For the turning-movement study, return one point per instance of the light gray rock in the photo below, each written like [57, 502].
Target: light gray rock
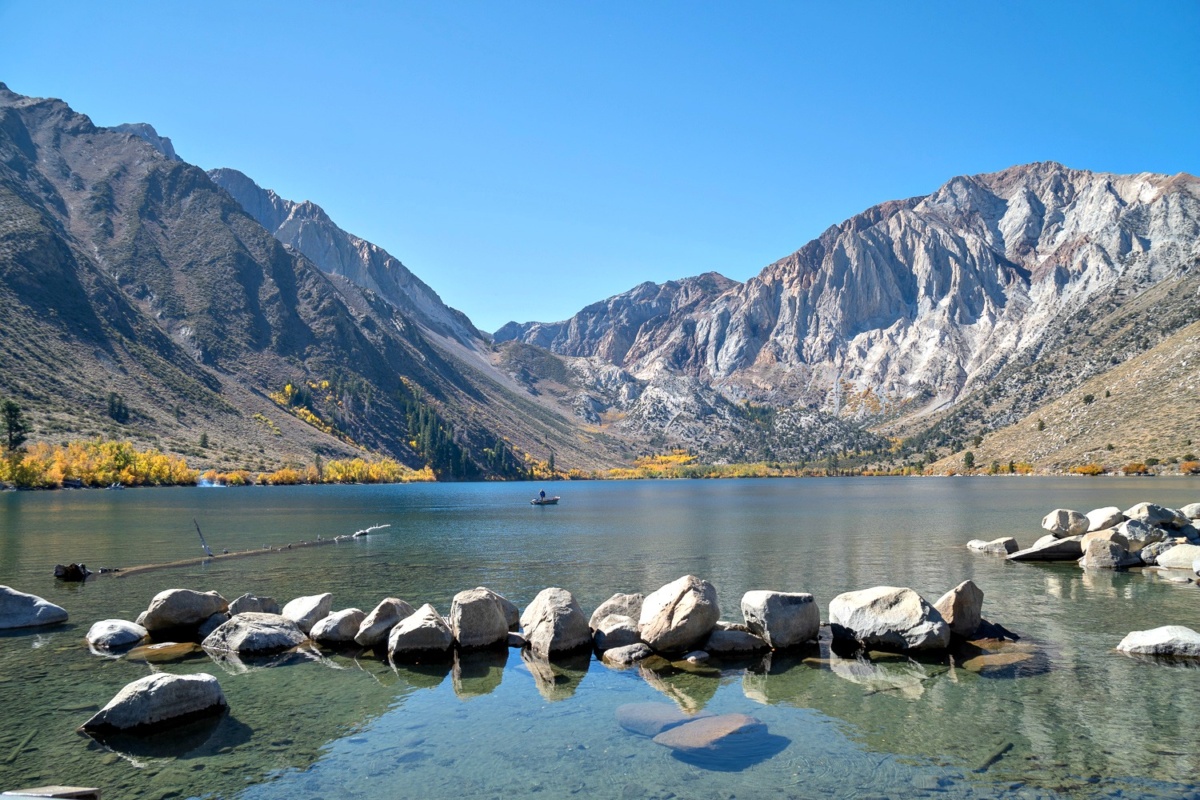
[1107, 535]
[996, 547]
[962, 608]
[888, 618]
[680, 615]
[1169, 640]
[1149, 554]
[309, 610]
[423, 633]
[211, 624]
[1102, 518]
[157, 700]
[1050, 548]
[735, 642]
[21, 610]
[1191, 511]
[782, 619]
[554, 623]
[255, 633]
[1156, 515]
[477, 619]
[1138, 534]
[614, 631]
[1181, 556]
[630, 654]
[512, 614]
[112, 633]
[1063, 522]
[625, 605]
[181, 608]
[378, 624]
[339, 628]
[251, 602]
[1104, 554]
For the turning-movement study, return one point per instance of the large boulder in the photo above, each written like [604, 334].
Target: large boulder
[378, 624]
[1106, 535]
[422, 634]
[1138, 534]
[625, 605]
[157, 700]
[255, 633]
[477, 619]
[997, 547]
[1156, 515]
[1051, 548]
[1150, 553]
[174, 609]
[1170, 640]
[1101, 518]
[211, 624]
[20, 610]
[512, 614]
[1106, 554]
[108, 634]
[1063, 522]
[888, 618]
[782, 619]
[339, 628]
[710, 734]
[615, 631]
[554, 623]
[1181, 556]
[962, 608]
[680, 615]
[1191, 511]
[252, 602]
[309, 610]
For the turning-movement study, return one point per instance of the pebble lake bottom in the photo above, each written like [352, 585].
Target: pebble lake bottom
[1073, 718]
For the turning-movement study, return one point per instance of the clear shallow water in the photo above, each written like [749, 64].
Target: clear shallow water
[1078, 720]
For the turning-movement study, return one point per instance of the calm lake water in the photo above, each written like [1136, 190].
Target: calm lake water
[1077, 719]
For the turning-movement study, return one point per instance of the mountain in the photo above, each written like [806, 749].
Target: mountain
[307, 228]
[914, 301]
[138, 300]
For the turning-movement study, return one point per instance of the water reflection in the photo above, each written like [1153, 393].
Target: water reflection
[478, 672]
[558, 678]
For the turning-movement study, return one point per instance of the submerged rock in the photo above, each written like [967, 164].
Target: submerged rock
[1174, 641]
[709, 733]
[680, 615]
[651, 719]
[159, 699]
[888, 617]
[378, 624]
[554, 623]
[20, 610]
[782, 619]
[999, 547]
[164, 652]
[253, 633]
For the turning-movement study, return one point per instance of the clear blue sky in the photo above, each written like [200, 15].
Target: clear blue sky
[526, 159]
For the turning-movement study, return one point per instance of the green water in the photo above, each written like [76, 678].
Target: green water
[1076, 720]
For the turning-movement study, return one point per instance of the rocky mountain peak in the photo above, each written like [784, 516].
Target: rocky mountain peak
[146, 132]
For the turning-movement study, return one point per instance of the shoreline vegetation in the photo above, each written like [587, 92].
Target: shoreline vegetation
[105, 464]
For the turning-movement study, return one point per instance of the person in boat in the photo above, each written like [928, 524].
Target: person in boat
[542, 495]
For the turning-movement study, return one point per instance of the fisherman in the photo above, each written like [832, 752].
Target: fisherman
[542, 495]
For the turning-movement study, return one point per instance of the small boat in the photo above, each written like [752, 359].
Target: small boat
[116, 486]
[544, 501]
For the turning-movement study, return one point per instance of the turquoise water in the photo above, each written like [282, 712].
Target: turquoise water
[1075, 719]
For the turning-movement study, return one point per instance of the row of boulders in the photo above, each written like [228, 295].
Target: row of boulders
[1146, 534]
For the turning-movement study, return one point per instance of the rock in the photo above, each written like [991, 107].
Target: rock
[211, 624]
[20, 610]
[516, 640]
[378, 624]
[1169, 640]
[782, 619]
[615, 631]
[1156, 515]
[1107, 535]
[888, 618]
[1051, 548]
[181, 608]
[1063, 522]
[651, 719]
[554, 623]
[159, 699]
[339, 628]
[701, 656]
[512, 614]
[72, 573]
[113, 633]
[255, 633]
[251, 602]
[164, 652]
[308, 611]
[998, 547]
[1138, 534]
[1149, 554]
[734, 642]
[709, 733]
[625, 605]
[477, 619]
[962, 608]
[1191, 511]
[1101, 518]
[1104, 554]
[680, 615]
[630, 654]
[422, 634]
[1181, 556]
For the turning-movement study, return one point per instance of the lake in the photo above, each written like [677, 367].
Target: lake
[1076, 720]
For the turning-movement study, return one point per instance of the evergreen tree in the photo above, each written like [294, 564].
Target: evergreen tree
[15, 426]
